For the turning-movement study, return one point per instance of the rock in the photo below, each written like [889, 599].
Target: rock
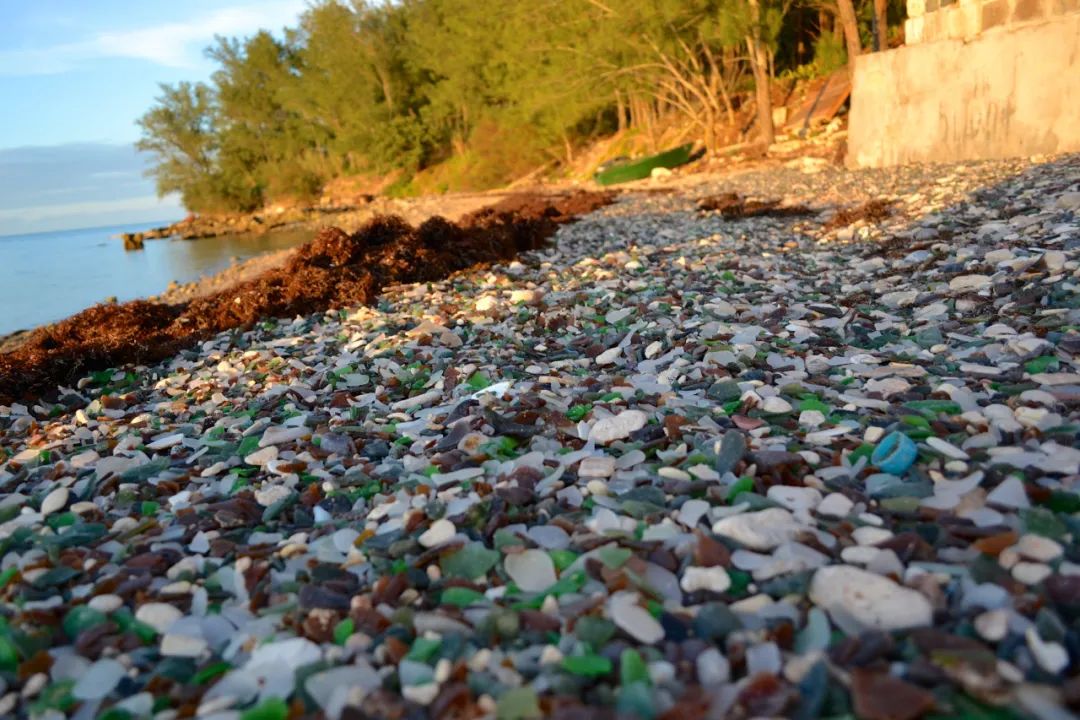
[835, 505]
[531, 570]
[267, 495]
[1050, 656]
[633, 619]
[262, 457]
[596, 467]
[182, 646]
[799, 500]
[969, 283]
[992, 625]
[1010, 494]
[1039, 548]
[713, 579]
[713, 669]
[880, 696]
[776, 405]
[609, 356]
[617, 427]
[55, 500]
[333, 689]
[159, 616]
[762, 530]
[99, 680]
[870, 600]
[440, 532]
[280, 434]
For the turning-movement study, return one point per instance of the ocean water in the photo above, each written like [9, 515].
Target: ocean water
[48, 276]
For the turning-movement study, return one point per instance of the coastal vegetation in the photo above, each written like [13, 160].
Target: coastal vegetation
[470, 95]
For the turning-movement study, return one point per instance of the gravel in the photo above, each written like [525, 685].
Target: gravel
[634, 472]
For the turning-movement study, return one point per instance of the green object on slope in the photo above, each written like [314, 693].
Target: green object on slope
[638, 169]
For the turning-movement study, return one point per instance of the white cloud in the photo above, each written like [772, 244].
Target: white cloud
[178, 44]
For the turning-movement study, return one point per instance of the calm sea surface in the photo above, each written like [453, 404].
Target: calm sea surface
[47, 276]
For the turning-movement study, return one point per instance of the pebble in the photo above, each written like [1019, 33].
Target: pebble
[519, 469]
[159, 616]
[835, 505]
[182, 646]
[440, 532]
[531, 570]
[762, 530]
[55, 500]
[99, 680]
[635, 620]
[617, 427]
[870, 600]
[596, 467]
[714, 579]
[992, 625]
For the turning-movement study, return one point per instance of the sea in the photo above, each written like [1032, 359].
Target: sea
[47, 276]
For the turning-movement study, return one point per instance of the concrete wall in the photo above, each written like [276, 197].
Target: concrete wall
[931, 20]
[1012, 91]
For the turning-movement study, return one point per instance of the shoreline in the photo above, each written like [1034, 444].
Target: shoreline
[809, 156]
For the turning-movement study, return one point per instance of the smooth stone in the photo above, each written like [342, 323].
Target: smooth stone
[691, 512]
[968, 283]
[796, 499]
[440, 531]
[183, 646]
[267, 495]
[332, 689]
[596, 467]
[1009, 493]
[531, 570]
[1050, 656]
[947, 449]
[776, 405]
[166, 442]
[714, 579]
[763, 658]
[609, 356]
[282, 434]
[106, 603]
[633, 619]
[99, 680]
[713, 668]
[1039, 548]
[617, 427]
[56, 500]
[263, 456]
[835, 505]
[762, 530]
[732, 450]
[159, 616]
[992, 625]
[870, 600]
[550, 537]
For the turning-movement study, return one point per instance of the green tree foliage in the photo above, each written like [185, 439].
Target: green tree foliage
[490, 91]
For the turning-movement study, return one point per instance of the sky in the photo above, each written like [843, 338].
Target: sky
[74, 78]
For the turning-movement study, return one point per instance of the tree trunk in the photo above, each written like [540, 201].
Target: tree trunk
[759, 64]
[881, 19]
[851, 31]
[620, 111]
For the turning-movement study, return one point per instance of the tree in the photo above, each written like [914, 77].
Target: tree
[881, 24]
[850, 24]
[759, 65]
[179, 131]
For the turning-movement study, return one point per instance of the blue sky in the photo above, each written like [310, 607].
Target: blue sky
[74, 77]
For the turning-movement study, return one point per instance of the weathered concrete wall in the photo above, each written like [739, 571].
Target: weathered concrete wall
[931, 20]
[1012, 91]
